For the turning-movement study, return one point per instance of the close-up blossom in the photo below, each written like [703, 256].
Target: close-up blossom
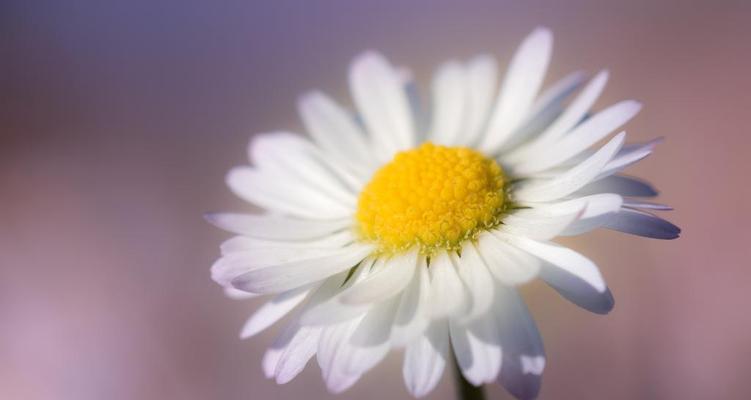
[401, 224]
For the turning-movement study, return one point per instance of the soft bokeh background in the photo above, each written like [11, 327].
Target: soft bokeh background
[119, 120]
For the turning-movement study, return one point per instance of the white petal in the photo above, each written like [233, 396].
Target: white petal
[233, 265]
[297, 354]
[333, 351]
[275, 192]
[448, 296]
[332, 338]
[371, 338]
[349, 349]
[547, 108]
[240, 244]
[333, 310]
[381, 100]
[412, 316]
[564, 258]
[576, 290]
[478, 349]
[276, 227]
[619, 184]
[481, 80]
[507, 263]
[296, 160]
[523, 353]
[629, 155]
[425, 359]
[388, 281]
[293, 274]
[540, 223]
[375, 328]
[642, 223]
[565, 122]
[449, 104]
[274, 352]
[273, 311]
[476, 277]
[598, 209]
[554, 96]
[291, 352]
[573, 179]
[520, 86]
[334, 129]
[582, 137]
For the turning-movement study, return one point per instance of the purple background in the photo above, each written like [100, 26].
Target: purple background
[120, 119]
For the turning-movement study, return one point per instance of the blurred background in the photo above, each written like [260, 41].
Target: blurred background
[119, 120]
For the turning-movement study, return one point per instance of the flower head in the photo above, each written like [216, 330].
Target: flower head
[381, 234]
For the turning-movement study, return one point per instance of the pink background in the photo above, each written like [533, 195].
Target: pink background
[120, 119]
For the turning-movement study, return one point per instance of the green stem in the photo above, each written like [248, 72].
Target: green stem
[464, 389]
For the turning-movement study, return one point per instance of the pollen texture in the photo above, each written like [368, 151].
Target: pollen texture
[431, 196]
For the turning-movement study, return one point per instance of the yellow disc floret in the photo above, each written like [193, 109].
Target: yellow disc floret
[432, 196]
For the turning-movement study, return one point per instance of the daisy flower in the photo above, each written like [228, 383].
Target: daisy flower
[385, 231]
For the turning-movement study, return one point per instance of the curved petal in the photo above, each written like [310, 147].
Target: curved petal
[425, 359]
[578, 291]
[629, 155]
[273, 311]
[476, 277]
[334, 129]
[547, 108]
[375, 328]
[581, 138]
[292, 350]
[333, 349]
[413, 316]
[388, 281]
[573, 115]
[333, 310]
[297, 273]
[540, 223]
[272, 191]
[477, 347]
[520, 86]
[565, 259]
[482, 77]
[554, 96]
[641, 223]
[523, 353]
[449, 104]
[619, 184]
[599, 211]
[573, 179]
[381, 100]
[371, 338]
[595, 211]
[239, 244]
[294, 158]
[507, 263]
[233, 265]
[276, 227]
[448, 296]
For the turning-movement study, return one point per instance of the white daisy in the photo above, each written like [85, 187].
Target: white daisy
[379, 234]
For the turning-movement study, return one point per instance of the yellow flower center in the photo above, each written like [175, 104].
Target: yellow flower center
[432, 196]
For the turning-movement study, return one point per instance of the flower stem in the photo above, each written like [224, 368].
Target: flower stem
[464, 389]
